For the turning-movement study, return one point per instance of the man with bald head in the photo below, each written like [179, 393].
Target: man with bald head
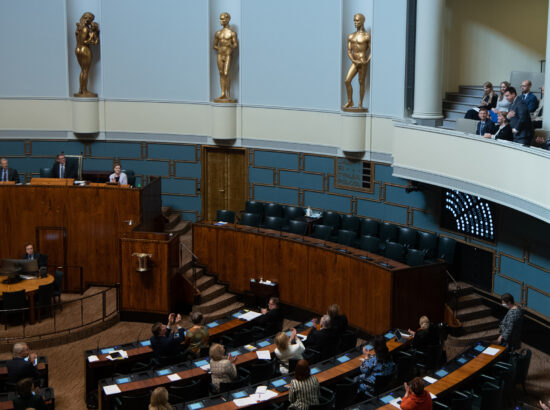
[7, 173]
[528, 97]
[23, 363]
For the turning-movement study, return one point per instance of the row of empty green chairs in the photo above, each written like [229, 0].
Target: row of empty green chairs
[395, 242]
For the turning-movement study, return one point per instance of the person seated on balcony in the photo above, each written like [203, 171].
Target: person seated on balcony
[28, 396]
[304, 388]
[272, 317]
[416, 398]
[488, 101]
[426, 335]
[528, 97]
[485, 125]
[324, 340]
[373, 366]
[197, 336]
[118, 177]
[511, 324]
[504, 131]
[23, 363]
[502, 103]
[536, 116]
[159, 399]
[165, 342]
[287, 350]
[520, 119]
[222, 367]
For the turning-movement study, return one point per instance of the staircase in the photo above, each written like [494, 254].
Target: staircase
[455, 105]
[214, 301]
[476, 318]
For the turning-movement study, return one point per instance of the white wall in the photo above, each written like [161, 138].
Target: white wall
[487, 40]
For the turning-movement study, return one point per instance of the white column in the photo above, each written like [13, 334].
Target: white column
[428, 61]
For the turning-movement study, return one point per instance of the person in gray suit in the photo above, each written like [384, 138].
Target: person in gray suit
[6, 173]
[519, 117]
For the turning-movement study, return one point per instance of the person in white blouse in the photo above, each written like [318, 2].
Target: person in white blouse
[502, 103]
[287, 350]
[118, 176]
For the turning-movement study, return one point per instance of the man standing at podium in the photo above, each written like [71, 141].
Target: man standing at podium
[7, 174]
[63, 169]
[30, 255]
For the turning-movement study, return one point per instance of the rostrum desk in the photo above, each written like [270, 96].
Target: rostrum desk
[376, 294]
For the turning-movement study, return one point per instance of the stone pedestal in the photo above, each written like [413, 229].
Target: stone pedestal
[85, 115]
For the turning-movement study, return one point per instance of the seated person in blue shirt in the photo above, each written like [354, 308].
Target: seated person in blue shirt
[485, 125]
[166, 342]
[377, 365]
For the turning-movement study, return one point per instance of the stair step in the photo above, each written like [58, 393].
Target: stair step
[471, 90]
[469, 300]
[489, 335]
[448, 124]
[165, 210]
[223, 312]
[473, 312]
[215, 304]
[480, 324]
[189, 274]
[171, 221]
[205, 281]
[462, 98]
[458, 106]
[453, 114]
[212, 293]
[181, 227]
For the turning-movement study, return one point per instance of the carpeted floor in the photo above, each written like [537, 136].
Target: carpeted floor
[67, 365]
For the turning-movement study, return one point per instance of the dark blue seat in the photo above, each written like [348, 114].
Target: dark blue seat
[350, 223]
[225, 215]
[406, 237]
[414, 257]
[254, 207]
[369, 227]
[446, 249]
[395, 251]
[321, 232]
[332, 219]
[273, 209]
[427, 242]
[46, 172]
[250, 219]
[346, 237]
[369, 243]
[297, 227]
[273, 222]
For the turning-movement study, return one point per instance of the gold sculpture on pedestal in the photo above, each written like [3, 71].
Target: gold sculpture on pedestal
[359, 54]
[87, 34]
[225, 40]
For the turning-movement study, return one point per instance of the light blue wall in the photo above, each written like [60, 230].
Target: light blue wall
[290, 53]
[155, 50]
[33, 49]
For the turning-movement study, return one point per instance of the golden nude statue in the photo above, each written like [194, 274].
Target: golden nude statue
[225, 40]
[359, 54]
[87, 34]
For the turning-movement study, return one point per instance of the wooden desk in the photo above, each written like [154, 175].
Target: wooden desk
[89, 222]
[30, 286]
[313, 274]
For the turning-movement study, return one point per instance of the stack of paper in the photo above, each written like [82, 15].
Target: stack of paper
[111, 389]
[93, 358]
[249, 315]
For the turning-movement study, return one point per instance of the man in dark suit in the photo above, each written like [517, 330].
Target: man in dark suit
[6, 173]
[18, 367]
[30, 254]
[63, 169]
[272, 317]
[323, 340]
[165, 342]
[519, 117]
[485, 125]
[528, 97]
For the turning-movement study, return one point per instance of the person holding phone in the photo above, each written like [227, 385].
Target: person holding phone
[23, 364]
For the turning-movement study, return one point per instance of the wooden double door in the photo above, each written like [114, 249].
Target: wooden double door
[224, 180]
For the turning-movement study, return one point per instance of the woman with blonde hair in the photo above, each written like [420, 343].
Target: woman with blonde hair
[426, 335]
[159, 399]
[222, 368]
[489, 101]
[287, 350]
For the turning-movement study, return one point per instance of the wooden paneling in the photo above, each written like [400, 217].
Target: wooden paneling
[374, 297]
[93, 219]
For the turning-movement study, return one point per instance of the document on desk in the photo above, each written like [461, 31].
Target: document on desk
[249, 315]
[111, 389]
[93, 358]
[491, 351]
[303, 338]
[245, 401]
[174, 377]
[263, 354]
[430, 379]
[264, 396]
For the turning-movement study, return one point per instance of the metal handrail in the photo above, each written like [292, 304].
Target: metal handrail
[104, 314]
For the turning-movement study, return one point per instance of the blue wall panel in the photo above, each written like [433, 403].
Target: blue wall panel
[8, 148]
[384, 173]
[300, 179]
[424, 221]
[379, 210]
[399, 196]
[116, 150]
[503, 285]
[271, 194]
[170, 151]
[158, 168]
[327, 201]
[374, 195]
[93, 164]
[275, 160]
[178, 186]
[51, 149]
[261, 176]
[181, 202]
[539, 302]
[314, 163]
[190, 170]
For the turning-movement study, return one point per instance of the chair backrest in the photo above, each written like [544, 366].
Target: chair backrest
[446, 249]
[348, 340]
[131, 175]
[350, 223]
[261, 370]
[297, 227]
[273, 209]
[381, 383]
[427, 242]
[292, 365]
[58, 281]
[190, 391]
[250, 219]
[274, 222]
[369, 243]
[135, 402]
[243, 379]
[369, 227]
[407, 237]
[492, 396]
[76, 160]
[321, 232]
[326, 400]
[225, 215]
[523, 365]
[414, 257]
[404, 366]
[46, 172]
[461, 401]
[45, 294]
[293, 212]
[346, 237]
[14, 300]
[254, 207]
[387, 231]
[345, 394]
[331, 219]
[395, 251]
